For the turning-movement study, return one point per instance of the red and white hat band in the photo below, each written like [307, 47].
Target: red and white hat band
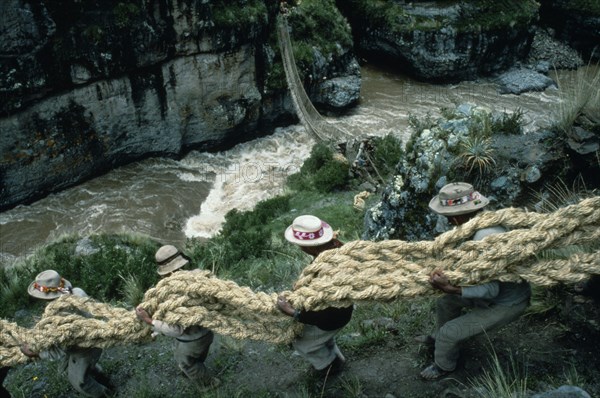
[303, 235]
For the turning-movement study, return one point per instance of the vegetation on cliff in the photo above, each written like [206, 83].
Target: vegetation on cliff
[317, 29]
[479, 15]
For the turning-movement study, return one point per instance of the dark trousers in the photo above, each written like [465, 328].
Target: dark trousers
[3, 391]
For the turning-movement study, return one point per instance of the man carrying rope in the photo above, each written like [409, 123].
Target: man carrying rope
[492, 305]
[317, 341]
[194, 341]
[80, 363]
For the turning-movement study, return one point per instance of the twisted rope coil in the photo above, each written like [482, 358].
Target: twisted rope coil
[359, 271]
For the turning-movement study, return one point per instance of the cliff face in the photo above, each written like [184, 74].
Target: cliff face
[443, 41]
[577, 22]
[87, 86]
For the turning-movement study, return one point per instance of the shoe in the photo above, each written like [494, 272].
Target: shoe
[334, 368]
[433, 372]
[102, 378]
[425, 339]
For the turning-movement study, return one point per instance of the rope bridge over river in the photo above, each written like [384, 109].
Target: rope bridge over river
[310, 118]
[358, 272]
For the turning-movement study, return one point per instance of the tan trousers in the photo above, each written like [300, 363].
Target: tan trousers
[454, 327]
[317, 346]
[190, 356]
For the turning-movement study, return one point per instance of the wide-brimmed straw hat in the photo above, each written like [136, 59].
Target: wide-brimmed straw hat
[457, 198]
[169, 259]
[309, 231]
[49, 285]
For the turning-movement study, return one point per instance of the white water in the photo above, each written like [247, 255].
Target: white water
[247, 174]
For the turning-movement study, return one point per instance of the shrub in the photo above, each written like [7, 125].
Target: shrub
[245, 235]
[387, 153]
[102, 273]
[321, 172]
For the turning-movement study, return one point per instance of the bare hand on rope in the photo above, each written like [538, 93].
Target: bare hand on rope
[440, 281]
[143, 315]
[28, 352]
[284, 306]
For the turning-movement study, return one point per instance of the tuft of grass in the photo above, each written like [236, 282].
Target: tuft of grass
[544, 300]
[352, 387]
[554, 196]
[572, 377]
[501, 382]
[579, 98]
[132, 290]
[509, 124]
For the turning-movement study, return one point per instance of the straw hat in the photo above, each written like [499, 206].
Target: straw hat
[49, 285]
[309, 231]
[457, 198]
[169, 259]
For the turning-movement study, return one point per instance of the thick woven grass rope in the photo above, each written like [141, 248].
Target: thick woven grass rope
[359, 271]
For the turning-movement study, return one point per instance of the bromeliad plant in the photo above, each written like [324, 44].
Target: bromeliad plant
[476, 152]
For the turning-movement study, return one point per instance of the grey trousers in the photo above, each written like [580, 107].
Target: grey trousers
[317, 346]
[454, 327]
[81, 363]
[190, 356]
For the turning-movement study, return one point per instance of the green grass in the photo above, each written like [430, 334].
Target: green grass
[499, 380]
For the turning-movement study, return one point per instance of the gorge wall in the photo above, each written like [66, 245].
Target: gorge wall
[88, 86]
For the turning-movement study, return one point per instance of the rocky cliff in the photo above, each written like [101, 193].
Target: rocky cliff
[443, 40]
[87, 86]
[577, 22]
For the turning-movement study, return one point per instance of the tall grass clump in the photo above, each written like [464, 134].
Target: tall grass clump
[498, 381]
[579, 99]
[475, 155]
[552, 198]
[509, 124]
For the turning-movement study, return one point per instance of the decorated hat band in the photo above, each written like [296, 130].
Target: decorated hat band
[460, 201]
[303, 235]
[50, 289]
